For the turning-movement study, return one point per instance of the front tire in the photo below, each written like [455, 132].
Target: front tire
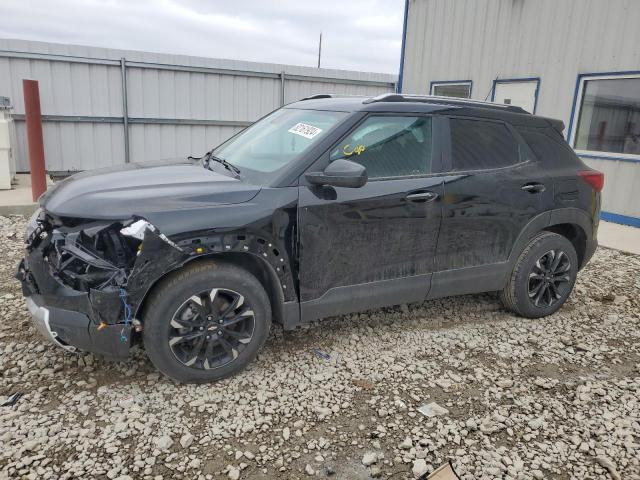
[543, 276]
[206, 322]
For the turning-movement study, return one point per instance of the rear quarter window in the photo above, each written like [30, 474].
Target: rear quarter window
[479, 144]
[547, 147]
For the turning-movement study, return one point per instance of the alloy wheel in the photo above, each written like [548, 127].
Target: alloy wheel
[211, 329]
[550, 278]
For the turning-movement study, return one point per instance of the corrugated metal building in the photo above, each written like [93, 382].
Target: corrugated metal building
[104, 107]
[575, 60]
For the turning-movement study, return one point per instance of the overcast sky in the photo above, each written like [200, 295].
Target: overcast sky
[357, 34]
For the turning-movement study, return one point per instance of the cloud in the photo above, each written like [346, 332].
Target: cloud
[357, 34]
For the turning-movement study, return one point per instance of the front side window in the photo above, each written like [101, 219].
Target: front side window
[271, 143]
[389, 146]
[609, 119]
[456, 90]
[478, 144]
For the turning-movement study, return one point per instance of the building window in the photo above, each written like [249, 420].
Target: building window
[457, 89]
[608, 115]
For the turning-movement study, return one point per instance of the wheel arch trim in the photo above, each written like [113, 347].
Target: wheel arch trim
[254, 253]
[571, 216]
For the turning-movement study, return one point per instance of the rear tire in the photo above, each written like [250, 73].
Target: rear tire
[206, 322]
[543, 276]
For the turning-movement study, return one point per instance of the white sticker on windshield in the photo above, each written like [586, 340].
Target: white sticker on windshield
[305, 130]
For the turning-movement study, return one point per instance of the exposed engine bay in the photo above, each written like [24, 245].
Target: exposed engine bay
[109, 261]
[97, 256]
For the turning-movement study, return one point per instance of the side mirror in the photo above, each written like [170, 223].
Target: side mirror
[340, 173]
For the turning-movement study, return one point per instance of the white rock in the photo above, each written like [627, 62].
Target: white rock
[369, 458]
[163, 443]
[406, 444]
[536, 423]
[433, 410]
[186, 440]
[419, 467]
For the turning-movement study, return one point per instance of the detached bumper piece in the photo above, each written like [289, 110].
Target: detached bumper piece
[73, 331]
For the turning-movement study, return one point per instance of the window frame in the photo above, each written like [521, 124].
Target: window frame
[537, 80]
[438, 139]
[525, 154]
[436, 83]
[577, 107]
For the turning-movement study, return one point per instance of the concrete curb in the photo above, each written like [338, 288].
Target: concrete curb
[25, 210]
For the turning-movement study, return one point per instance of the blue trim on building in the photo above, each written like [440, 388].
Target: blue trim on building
[404, 42]
[445, 82]
[579, 79]
[622, 219]
[538, 80]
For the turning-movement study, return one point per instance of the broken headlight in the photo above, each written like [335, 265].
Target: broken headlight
[33, 225]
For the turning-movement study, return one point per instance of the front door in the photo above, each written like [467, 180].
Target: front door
[521, 93]
[374, 245]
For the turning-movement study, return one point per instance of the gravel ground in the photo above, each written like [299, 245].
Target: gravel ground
[511, 398]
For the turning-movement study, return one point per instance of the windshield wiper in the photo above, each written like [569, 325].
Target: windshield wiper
[207, 157]
[226, 164]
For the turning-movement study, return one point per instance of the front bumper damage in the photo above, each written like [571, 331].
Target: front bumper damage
[84, 282]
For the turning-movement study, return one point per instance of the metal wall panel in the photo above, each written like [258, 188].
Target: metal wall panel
[622, 179]
[172, 100]
[296, 89]
[75, 146]
[554, 40]
[152, 142]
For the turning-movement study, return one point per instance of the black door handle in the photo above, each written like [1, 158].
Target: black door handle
[534, 187]
[422, 197]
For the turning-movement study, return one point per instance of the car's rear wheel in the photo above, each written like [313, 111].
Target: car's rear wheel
[206, 322]
[543, 276]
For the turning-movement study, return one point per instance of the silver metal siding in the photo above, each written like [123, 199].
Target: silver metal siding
[551, 39]
[86, 81]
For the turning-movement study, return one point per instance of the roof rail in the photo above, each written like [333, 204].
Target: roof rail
[397, 97]
[316, 96]
[330, 95]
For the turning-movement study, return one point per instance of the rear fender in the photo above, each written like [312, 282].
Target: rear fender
[573, 216]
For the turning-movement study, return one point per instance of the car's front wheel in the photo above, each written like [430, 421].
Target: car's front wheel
[542, 277]
[206, 322]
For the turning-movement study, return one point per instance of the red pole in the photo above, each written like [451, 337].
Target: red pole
[33, 119]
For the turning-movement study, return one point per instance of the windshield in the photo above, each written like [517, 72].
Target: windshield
[271, 143]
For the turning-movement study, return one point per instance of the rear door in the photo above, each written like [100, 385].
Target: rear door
[371, 246]
[494, 186]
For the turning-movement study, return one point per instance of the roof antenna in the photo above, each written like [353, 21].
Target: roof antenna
[319, 49]
[492, 87]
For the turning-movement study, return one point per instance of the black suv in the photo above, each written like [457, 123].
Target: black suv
[327, 206]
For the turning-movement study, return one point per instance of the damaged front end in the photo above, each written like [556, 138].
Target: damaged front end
[84, 280]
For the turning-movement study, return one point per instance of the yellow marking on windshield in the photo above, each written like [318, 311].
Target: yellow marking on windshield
[348, 151]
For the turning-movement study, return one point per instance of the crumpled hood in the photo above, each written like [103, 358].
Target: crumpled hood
[141, 188]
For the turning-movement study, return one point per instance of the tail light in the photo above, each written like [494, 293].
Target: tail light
[593, 178]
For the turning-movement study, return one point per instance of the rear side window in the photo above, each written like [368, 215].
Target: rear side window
[477, 144]
[547, 147]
